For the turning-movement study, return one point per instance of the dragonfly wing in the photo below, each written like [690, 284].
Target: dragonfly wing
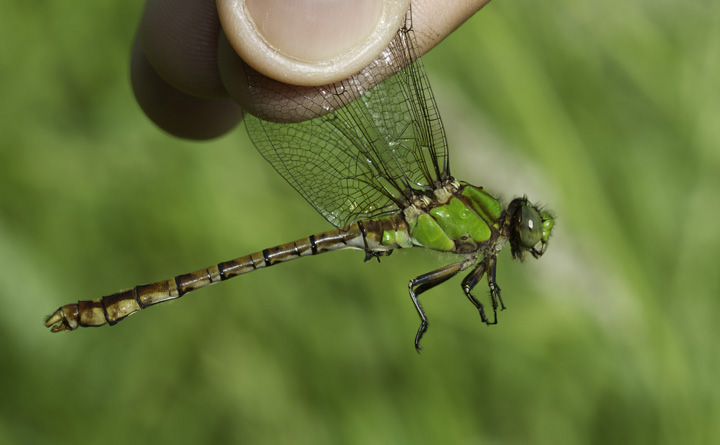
[364, 150]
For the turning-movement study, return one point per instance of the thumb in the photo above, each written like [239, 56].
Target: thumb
[310, 42]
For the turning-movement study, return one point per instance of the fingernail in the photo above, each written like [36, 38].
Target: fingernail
[314, 30]
[310, 41]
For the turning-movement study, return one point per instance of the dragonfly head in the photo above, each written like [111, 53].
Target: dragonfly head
[529, 228]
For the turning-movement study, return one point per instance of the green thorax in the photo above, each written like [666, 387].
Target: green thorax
[459, 218]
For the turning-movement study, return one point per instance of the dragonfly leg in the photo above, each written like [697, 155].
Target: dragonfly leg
[469, 283]
[494, 288]
[488, 265]
[425, 282]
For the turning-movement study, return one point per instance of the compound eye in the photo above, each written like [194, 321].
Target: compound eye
[530, 227]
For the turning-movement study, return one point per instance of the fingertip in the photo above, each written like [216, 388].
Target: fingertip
[178, 113]
[179, 39]
[307, 42]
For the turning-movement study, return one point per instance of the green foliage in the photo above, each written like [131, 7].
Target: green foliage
[606, 111]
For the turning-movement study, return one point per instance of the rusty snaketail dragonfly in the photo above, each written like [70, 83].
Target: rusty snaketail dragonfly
[374, 162]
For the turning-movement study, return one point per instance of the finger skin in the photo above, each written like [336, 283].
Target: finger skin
[179, 39]
[178, 113]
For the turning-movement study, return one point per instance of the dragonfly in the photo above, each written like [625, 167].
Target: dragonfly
[374, 162]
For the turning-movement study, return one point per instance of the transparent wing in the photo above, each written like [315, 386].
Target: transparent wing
[364, 151]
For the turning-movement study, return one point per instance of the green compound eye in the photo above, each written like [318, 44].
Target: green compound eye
[548, 224]
[530, 227]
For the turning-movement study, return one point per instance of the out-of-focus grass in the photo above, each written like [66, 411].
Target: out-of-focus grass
[606, 111]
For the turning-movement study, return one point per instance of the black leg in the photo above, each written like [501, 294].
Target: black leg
[488, 265]
[494, 288]
[469, 283]
[425, 282]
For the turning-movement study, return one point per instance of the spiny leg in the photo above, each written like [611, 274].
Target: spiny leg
[488, 265]
[425, 282]
[494, 288]
[469, 283]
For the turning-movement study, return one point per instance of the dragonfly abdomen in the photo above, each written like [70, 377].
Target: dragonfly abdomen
[114, 308]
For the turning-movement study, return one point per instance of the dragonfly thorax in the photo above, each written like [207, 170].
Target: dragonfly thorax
[458, 218]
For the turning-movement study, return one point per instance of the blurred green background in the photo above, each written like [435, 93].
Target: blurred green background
[605, 111]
